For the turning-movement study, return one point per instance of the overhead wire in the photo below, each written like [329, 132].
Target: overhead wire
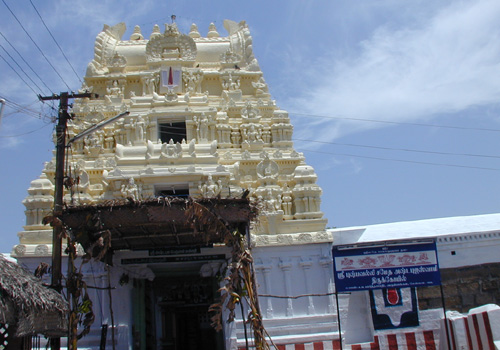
[399, 160]
[21, 68]
[28, 111]
[26, 133]
[17, 108]
[13, 103]
[36, 45]
[25, 62]
[20, 77]
[55, 41]
[395, 122]
[400, 149]
[403, 160]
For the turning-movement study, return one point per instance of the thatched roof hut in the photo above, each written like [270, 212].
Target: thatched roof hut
[28, 305]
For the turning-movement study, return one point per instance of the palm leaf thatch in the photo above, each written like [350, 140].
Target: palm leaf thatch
[28, 305]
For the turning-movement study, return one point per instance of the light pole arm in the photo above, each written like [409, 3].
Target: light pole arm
[96, 127]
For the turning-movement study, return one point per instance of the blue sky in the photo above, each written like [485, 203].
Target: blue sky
[404, 96]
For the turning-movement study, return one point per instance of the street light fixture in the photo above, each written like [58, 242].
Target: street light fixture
[2, 107]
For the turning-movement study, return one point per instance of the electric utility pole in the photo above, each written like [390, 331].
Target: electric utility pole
[62, 118]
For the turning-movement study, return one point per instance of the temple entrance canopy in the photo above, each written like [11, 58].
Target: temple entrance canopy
[161, 222]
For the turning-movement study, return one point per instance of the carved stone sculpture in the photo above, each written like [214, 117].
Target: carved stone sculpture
[130, 190]
[210, 188]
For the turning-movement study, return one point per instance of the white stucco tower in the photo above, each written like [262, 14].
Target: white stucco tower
[202, 123]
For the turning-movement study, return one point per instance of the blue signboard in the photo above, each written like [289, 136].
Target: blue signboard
[388, 266]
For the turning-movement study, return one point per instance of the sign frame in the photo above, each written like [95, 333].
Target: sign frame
[386, 264]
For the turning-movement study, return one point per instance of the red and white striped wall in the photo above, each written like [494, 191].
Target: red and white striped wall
[424, 340]
[479, 329]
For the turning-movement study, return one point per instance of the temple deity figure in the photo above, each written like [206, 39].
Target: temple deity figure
[266, 134]
[130, 190]
[120, 133]
[115, 90]
[191, 80]
[149, 85]
[271, 202]
[139, 126]
[230, 83]
[260, 86]
[201, 127]
[93, 144]
[287, 200]
[252, 133]
[210, 189]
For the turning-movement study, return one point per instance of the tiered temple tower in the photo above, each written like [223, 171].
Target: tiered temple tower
[202, 124]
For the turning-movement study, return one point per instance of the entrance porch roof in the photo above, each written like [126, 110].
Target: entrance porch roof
[159, 222]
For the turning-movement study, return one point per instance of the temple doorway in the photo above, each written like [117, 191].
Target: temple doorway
[176, 307]
[183, 304]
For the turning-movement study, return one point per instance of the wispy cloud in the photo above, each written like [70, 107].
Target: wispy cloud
[446, 63]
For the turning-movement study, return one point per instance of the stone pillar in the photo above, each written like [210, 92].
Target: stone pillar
[306, 265]
[265, 269]
[327, 264]
[286, 266]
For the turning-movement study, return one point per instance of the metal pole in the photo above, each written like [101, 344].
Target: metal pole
[338, 317]
[63, 116]
[59, 190]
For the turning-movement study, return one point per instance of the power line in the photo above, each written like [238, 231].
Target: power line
[402, 149]
[38, 47]
[19, 105]
[403, 160]
[21, 68]
[24, 109]
[21, 109]
[396, 123]
[20, 77]
[52, 36]
[26, 133]
[21, 56]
